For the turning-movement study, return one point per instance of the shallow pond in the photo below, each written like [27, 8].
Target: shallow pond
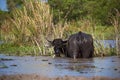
[54, 67]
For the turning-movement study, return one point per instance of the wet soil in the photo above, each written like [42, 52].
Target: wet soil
[38, 77]
[48, 68]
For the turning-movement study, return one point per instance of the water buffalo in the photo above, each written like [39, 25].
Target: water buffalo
[79, 45]
[59, 46]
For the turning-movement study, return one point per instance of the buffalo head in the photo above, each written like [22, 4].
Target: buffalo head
[59, 46]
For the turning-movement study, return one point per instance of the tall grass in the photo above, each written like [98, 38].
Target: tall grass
[115, 20]
[31, 24]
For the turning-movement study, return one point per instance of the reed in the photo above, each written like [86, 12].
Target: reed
[30, 25]
[115, 20]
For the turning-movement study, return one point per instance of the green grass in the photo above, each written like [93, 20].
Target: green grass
[99, 33]
[10, 49]
[106, 32]
[26, 31]
[36, 49]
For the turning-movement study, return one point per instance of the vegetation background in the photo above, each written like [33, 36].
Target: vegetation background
[26, 24]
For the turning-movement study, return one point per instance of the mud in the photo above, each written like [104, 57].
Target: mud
[19, 68]
[38, 77]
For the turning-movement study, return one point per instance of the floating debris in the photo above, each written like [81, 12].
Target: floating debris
[49, 63]
[113, 61]
[115, 69]
[3, 66]
[83, 72]
[13, 65]
[102, 68]
[5, 59]
[81, 67]
[44, 60]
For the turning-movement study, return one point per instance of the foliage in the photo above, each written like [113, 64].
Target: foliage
[99, 10]
[69, 10]
[12, 4]
[30, 25]
[66, 10]
[3, 15]
[26, 28]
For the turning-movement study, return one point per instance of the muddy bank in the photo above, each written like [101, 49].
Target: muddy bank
[38, 77]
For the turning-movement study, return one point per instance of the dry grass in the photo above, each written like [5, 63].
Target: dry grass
[115, 20]
[32, 24]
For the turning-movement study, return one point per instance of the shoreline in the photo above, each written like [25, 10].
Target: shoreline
[40, 77]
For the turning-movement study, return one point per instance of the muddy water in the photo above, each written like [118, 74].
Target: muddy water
[53, 67]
